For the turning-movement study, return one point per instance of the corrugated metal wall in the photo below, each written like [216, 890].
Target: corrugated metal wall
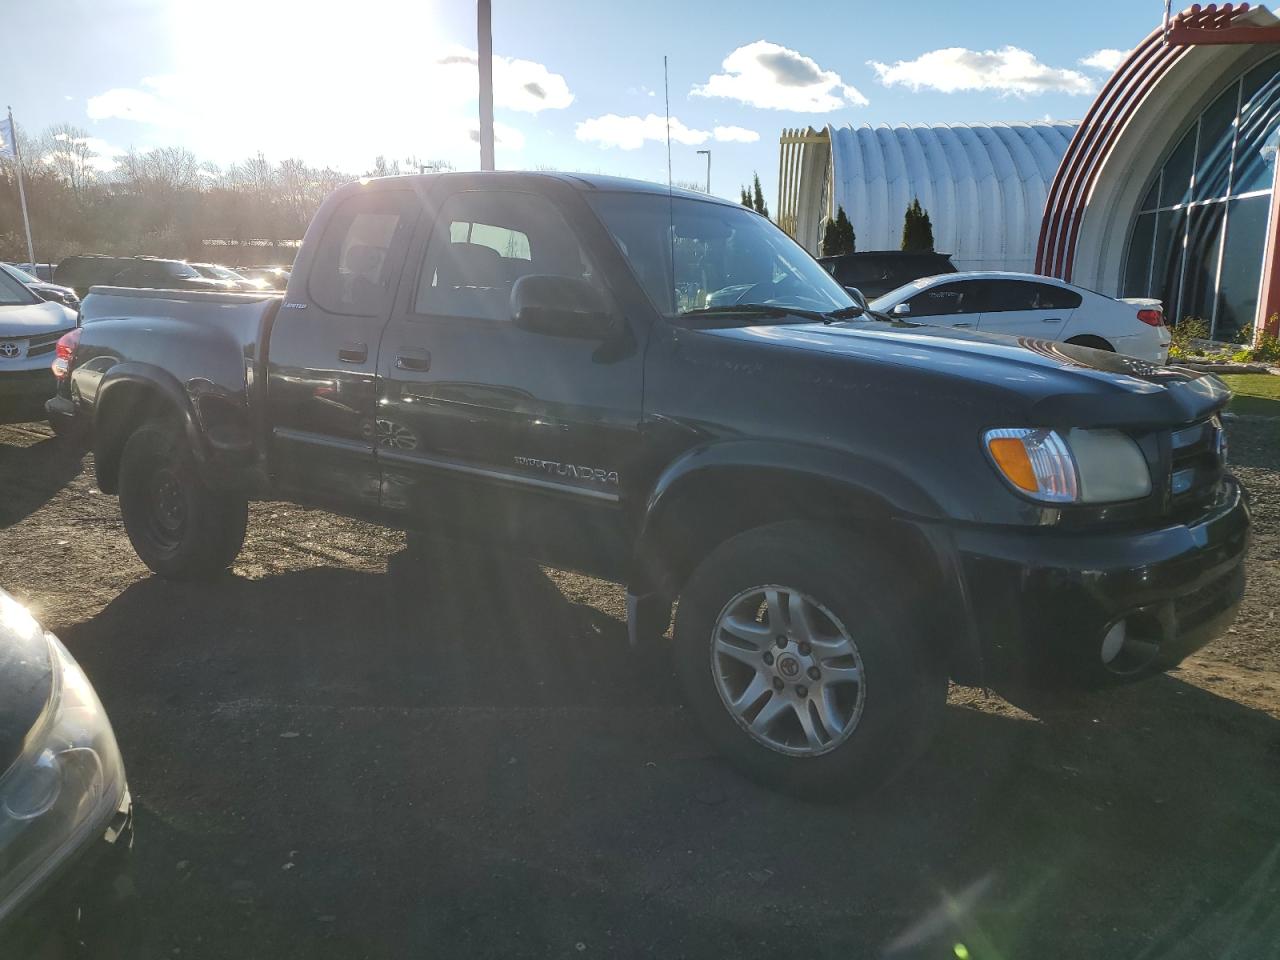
[984, 185]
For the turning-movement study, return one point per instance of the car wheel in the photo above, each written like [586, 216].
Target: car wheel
[180, 528]
[806, 663]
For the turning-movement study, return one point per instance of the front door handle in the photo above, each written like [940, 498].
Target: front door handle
[962, 324]
[353, 352]
[410, 359]
[1050, 319]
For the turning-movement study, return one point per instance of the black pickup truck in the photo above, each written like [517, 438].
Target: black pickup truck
[664, 390]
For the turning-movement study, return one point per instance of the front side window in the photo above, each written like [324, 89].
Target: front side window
[694, 254]
[946, 299]
[483, 242]
[352, 273]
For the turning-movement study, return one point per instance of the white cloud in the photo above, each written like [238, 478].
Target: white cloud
[522, 85]
[1009, 70]
[630, 133]
[773, 77]
[102, 155]
[127, 103]
[1107, 59]
[735, 135]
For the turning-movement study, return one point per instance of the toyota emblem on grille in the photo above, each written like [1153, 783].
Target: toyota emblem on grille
[9, 350]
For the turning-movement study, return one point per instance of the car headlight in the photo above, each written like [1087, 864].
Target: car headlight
[1078, 466]
[66, 786]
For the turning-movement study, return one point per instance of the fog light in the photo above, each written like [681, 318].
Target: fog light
[1113, 643]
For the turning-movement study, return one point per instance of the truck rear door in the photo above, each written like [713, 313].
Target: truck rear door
[322, 358]
[490, 429]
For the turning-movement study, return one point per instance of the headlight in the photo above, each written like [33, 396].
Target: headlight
[64, 789]
[1082, 466]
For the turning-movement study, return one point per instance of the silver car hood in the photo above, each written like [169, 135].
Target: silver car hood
[33, 319]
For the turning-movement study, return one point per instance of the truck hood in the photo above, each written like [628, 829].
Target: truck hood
[32, 319]
[1055, 384]
[26, 678]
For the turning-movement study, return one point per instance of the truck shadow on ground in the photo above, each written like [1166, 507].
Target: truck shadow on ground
[35, 473]
[553, 758]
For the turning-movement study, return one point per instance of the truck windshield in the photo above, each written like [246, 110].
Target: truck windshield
[695, 255]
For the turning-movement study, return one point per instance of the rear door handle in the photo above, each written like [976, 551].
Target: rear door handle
[353, 352]
[1050, 319]
[962, 324]
[408, 358]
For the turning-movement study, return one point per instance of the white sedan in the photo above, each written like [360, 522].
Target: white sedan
[1026, 305]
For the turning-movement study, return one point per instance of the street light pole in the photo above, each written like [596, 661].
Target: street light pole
[484, 50]
[708, 153]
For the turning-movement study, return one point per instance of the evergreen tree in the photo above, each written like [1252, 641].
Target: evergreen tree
[838, 236]
[917, 229]
[746, 198]
[758, 197]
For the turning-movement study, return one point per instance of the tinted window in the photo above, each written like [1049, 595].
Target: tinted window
[484, 242]
[353, 273]
[945, 300]
[13, 293]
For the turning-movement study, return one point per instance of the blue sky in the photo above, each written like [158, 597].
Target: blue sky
[340, 82]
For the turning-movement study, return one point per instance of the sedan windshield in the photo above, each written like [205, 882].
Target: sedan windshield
[694, 256]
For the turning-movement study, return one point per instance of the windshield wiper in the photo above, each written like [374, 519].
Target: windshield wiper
[756, 310]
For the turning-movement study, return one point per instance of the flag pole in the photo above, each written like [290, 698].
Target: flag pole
[22, 192]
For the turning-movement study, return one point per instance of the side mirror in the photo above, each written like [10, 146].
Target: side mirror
[902, 310]
[561, 307]
[859, 300]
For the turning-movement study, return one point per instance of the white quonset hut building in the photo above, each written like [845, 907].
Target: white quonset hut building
[983, 185]
[1167, 188]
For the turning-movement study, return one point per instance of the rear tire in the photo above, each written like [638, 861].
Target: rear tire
[179, 528]
[859, 614]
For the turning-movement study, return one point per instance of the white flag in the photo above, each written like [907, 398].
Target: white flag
[6, 138]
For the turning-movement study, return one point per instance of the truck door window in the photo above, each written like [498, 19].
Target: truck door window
[350, 274]
[483, 243]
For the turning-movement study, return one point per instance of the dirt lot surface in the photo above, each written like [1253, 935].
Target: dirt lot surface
[337, 751]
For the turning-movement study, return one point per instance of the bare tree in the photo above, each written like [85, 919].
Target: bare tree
[65, 148]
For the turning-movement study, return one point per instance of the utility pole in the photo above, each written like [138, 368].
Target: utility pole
[708, 153]
[484, 49]
[22, 193]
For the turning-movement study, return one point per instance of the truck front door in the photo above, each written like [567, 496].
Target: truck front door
[490, 429]
[322, 361]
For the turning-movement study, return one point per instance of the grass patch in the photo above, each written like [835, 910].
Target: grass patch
[1256, 394]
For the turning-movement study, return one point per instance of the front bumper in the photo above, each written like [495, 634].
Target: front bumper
[35, 384]
[1042, 602]
[79, 894]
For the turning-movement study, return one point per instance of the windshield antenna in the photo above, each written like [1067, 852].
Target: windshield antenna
[671, 215]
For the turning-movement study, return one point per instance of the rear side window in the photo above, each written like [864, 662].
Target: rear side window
[483, 242]
[1006, 295]
[946, 299]
[354, 270]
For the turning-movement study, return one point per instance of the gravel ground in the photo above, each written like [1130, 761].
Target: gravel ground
[337, 751]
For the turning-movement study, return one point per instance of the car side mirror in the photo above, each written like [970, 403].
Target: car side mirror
[859, 300]
[561, 307]
[902, 310]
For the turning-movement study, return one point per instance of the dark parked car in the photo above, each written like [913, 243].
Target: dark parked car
[850, 510]
[82, 272]
[65, 810]
[876, 272]
[45, 291]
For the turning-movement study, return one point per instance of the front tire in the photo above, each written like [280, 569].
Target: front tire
[806, 663]
[179, 528]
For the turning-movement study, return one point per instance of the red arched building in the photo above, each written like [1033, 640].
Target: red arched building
[1168, 187]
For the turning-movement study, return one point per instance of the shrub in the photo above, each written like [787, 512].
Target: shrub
[1185, 331]
[1268, 349]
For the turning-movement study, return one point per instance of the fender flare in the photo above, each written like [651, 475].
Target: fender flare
[872, 489]
[157, 381]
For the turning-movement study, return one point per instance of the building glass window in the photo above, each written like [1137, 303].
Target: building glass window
[1198, 240]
